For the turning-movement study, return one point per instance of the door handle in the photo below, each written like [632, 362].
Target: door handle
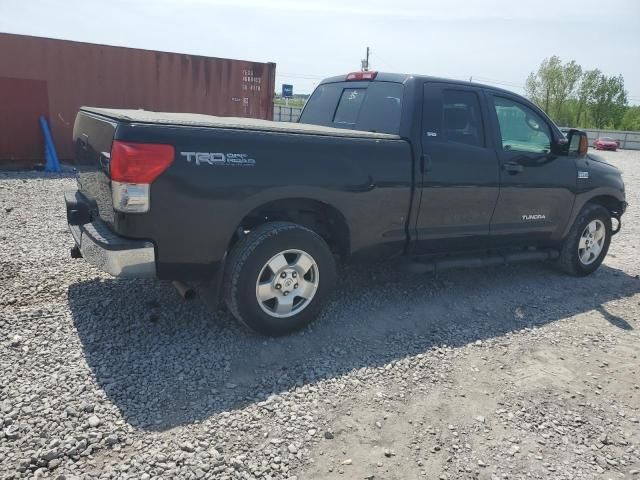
[426, 162]
[513, 167]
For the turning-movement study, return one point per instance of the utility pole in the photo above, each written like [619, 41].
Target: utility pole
[365, 62]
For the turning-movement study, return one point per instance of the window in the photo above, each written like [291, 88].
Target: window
[452, 116]
[461, 120]
[521, 128]
[382, 108]
[321, 106]
[349, 106]
[369, 106]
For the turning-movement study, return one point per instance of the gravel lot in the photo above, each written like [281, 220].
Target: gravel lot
[504, 372]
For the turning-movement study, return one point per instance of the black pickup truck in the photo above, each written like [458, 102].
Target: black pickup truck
[380, 165]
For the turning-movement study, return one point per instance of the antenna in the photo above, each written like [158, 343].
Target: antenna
[365, 62]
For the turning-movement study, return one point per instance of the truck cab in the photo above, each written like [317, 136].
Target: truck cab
[492, 169]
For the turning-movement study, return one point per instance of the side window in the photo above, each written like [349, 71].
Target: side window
[461, 118]
[451, 115]
[521, 128]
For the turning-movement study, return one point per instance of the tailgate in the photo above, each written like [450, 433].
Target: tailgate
[93, 136]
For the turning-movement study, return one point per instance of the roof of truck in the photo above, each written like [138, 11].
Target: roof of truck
[404, 77]
[236, 123]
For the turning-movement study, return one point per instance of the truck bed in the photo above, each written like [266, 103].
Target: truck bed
[195, 209]
[236, 123]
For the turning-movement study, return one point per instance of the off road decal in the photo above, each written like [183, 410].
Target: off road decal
[219, 159]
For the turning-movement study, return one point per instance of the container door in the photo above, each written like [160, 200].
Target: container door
[22, 102]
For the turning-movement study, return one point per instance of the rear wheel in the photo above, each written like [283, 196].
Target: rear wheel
[278, 278]
[588, 241]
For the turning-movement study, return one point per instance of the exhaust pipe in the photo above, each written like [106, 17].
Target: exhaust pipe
[186, 292]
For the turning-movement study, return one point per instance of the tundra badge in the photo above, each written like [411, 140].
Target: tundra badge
[537, 216]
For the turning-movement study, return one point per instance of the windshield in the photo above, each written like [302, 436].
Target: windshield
[368, 106]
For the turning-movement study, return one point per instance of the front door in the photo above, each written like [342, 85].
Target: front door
[536, 185]
[459, 177]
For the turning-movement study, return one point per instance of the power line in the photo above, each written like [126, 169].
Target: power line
[500, 82]
[378, 58]
[300, 75]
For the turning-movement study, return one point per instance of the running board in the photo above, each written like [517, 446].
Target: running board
[420, 265]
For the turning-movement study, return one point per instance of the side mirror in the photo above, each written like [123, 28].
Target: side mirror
[578, 143]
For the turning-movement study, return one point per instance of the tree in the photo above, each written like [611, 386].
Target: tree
[585, 90]
[631, 119]
[608, 101]
[552, 85]
[542, 85]
[567, 82]
[570, 95]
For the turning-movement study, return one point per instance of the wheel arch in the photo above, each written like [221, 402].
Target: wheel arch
[321, 217]
[609, 198]
[611, 203]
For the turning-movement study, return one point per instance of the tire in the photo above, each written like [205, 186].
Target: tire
[288, 261]
[573, 255]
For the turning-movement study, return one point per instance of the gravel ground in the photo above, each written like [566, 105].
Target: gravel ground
[504, 372]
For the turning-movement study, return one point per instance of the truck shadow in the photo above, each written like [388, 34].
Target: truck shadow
[164, 362]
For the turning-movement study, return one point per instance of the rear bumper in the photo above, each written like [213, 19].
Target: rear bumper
[111, 253]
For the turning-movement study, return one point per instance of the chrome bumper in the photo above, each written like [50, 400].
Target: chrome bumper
[113, 254]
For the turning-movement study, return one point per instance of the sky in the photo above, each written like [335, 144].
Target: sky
[498, 42]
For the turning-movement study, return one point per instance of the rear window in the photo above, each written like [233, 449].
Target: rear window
[349, 106]
[368, 106]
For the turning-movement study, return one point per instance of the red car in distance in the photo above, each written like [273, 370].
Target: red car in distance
[606, 143]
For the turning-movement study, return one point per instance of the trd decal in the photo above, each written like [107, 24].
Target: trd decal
[219, 159]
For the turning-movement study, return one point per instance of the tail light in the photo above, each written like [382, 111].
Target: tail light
[353, 76]
[133, 167]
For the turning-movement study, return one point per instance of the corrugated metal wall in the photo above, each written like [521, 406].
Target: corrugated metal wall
[71, 74]
[282, 113]
[628, 140]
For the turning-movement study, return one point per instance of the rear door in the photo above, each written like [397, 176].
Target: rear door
[459, 170]
[536, 185]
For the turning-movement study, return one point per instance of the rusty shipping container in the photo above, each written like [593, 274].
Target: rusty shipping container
[42, 76]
